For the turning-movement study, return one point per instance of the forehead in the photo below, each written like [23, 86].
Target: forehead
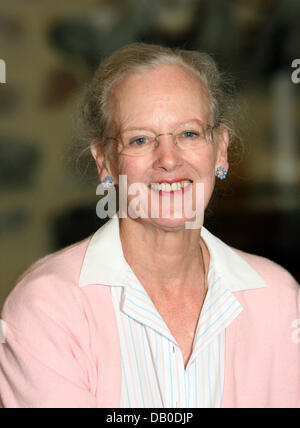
[168, 93]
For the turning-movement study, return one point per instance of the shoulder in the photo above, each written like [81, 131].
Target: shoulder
[65, 264]
[47, 286]
[275, 275]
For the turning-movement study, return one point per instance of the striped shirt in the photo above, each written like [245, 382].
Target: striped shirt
[153, 372]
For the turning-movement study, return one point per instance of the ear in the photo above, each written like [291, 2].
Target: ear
[222, 148]
[99, 157]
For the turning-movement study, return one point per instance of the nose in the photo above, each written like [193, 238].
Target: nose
[167, 154]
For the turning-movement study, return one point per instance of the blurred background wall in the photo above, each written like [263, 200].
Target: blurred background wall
[51, 48]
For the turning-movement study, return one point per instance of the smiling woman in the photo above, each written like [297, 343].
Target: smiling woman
[159, 314]
[193, 116]
[152, 100]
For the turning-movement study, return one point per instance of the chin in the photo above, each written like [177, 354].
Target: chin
[170, 224]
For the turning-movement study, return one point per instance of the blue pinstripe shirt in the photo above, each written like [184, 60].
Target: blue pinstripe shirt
[153, 372]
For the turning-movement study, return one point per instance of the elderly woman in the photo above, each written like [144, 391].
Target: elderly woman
[153, 310]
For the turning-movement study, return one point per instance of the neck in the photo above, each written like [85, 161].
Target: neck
[167, 262]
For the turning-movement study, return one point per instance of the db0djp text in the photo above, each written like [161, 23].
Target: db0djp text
[176, 417]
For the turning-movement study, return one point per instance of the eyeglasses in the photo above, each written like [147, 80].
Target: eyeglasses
[187, 136]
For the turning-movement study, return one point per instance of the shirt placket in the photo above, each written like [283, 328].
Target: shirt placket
[147, 314]
[179, 374]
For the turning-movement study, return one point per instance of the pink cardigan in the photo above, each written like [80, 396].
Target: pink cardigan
[61, 346]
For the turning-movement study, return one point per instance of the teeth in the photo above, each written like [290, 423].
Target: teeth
[166, 187]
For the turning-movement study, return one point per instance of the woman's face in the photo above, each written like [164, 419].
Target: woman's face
[160, 100]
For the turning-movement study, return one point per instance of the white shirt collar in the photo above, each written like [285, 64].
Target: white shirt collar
[104, 261]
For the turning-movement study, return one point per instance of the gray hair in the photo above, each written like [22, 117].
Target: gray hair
[95, 116]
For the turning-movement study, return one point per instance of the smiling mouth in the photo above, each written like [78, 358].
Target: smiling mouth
[170, 187]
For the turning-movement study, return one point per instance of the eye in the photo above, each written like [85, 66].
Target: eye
[139, 141]
[190, 134]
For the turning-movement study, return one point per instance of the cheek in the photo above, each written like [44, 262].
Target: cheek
[132, 190]
[205, 164]
[133, 168]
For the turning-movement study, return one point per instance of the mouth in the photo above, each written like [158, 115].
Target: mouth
[171, 186]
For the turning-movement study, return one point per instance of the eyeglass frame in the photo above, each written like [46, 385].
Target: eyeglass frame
[208, 127]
